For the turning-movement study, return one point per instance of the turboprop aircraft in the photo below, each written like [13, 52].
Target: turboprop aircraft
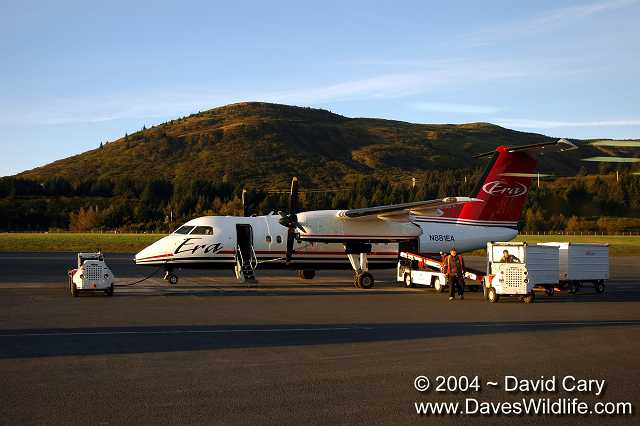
[367, 237]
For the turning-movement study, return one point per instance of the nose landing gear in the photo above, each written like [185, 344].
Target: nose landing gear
[171, 277]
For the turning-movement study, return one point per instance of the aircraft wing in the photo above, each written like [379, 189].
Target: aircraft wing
[402, 211]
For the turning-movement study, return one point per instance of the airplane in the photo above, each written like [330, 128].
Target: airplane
[368, 238]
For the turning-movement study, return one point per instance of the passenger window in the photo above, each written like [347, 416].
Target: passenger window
[279, 239]
[183, 230]
[202, 230]
[268, 239]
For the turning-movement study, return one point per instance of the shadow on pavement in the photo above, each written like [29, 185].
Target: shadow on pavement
[29, 343]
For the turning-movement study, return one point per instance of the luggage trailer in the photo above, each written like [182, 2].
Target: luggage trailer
[414, 269]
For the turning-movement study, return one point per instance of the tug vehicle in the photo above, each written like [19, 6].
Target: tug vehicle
[515, 268]
[91, 274]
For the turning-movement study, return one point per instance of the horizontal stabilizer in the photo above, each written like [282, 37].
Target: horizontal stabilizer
[537, 148]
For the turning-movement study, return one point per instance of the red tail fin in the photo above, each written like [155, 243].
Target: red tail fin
[505, 185]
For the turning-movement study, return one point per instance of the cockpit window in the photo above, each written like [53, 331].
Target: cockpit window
[183, 230]
[202, 230]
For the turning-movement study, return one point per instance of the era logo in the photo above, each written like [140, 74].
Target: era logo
[498, 187]
[187, 246]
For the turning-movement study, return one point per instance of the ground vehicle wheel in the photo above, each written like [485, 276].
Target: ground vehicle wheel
[549, 290]
[529, 298]
[599, 286]
[365, 280]
[173, 279]
[438, 286]
[109, 291]
[492, 295]
[72, 288]
[407, 280]
[307, 274]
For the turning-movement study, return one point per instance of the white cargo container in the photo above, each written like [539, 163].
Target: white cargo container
[580, 263]
[528, 266]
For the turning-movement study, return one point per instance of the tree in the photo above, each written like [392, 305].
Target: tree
[84, 219]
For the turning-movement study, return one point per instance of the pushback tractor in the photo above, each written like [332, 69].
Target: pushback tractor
[91, 275]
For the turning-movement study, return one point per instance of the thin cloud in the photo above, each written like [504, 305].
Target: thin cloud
[397, 85]
[455, 108]
[180, 102]
[550, 21]
[524, 123]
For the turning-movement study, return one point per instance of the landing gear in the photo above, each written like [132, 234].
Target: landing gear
[171, 277]
[357, 255]
[364, 280]
[307, 274]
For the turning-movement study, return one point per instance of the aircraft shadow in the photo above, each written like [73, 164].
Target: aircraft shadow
[34, 343]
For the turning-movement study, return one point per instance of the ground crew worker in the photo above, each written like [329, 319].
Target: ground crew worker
[508, 258]
[454, 270]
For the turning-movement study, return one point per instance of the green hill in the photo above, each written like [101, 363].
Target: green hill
[266, 144]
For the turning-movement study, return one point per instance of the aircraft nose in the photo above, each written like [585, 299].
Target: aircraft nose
[151, 252]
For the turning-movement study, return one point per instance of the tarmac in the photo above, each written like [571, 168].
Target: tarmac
[212, 350]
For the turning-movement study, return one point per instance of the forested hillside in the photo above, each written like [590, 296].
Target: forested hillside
[161, 176]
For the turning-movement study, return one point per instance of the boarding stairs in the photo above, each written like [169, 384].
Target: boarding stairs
[246, 263]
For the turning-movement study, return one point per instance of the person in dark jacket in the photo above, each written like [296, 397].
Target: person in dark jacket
[454, 270]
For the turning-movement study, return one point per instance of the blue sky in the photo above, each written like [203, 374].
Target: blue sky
[77, 73]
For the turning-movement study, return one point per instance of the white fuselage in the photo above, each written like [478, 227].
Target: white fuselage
[321, 246]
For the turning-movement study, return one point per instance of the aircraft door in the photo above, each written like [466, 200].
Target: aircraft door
[244, 238]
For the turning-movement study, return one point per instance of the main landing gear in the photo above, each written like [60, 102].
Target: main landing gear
[307, 274]
[358, 259]
[170, 276]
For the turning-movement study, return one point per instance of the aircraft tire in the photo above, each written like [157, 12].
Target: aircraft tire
[307, 274]
[365, 280]
[173, 279]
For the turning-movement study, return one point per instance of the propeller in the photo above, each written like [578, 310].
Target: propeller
[290, 219]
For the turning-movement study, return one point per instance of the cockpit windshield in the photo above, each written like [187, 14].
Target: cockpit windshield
[202, 230]
[184, 229]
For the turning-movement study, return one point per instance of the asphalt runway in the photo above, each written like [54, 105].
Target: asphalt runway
[288, 351]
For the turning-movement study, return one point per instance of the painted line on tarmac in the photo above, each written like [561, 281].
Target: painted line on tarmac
[537, 324]
[142, 332]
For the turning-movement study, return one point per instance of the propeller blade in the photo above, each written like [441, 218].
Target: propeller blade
[293, 196]
[291, 235]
